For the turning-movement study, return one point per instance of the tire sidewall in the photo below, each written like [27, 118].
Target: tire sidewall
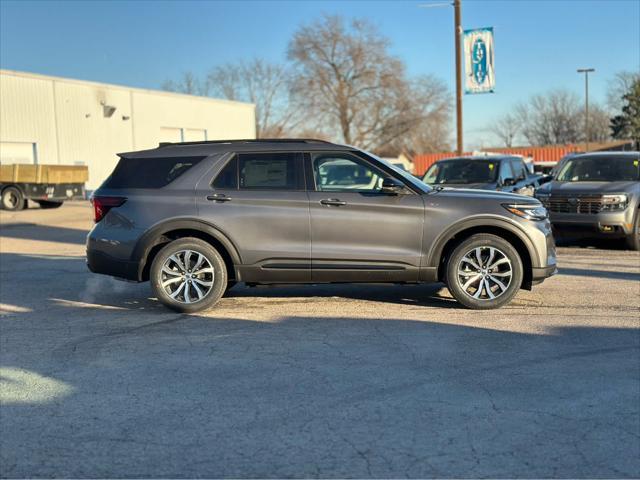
[484, 240]
[19, 204]
[198, 246]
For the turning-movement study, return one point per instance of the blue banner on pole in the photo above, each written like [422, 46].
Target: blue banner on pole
[479, 60]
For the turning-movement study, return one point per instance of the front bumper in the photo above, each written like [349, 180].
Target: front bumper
[538, 275]
[604, 223]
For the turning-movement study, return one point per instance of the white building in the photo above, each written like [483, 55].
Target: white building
[50, 120]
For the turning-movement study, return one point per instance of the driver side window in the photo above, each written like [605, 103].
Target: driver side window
[335, 173]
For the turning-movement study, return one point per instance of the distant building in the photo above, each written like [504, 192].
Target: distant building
[50, 120]
[402, 160]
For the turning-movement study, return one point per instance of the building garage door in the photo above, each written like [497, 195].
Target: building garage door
[170, 134]
[18, 152]
[194, 135]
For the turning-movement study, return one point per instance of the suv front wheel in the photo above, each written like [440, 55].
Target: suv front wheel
[484, 272]
[188, 275]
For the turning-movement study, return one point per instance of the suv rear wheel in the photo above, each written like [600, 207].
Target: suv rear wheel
[188, 275]
[484, 272]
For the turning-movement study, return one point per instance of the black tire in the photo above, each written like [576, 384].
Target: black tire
[179, 303]
[633, 240]
[49, 204]
[485, 242]
[12, 199]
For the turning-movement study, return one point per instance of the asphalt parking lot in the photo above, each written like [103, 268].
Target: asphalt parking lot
[99, 380]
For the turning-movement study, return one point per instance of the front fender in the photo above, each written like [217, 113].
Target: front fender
[434, 254]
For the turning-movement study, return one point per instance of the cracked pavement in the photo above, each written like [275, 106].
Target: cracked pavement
[98, 380]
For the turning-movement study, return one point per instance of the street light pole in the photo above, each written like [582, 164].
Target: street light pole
[458, 36]
[586, 72]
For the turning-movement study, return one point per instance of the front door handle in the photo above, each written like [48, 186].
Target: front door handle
[333, 202]
[218, 197]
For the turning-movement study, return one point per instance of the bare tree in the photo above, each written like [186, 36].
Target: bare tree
[618, 87]
[599, 124]
[346, 78]
[552, 118]
[188, 84]
[264, 84]
[506, 128]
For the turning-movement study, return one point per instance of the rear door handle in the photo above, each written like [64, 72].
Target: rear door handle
[218, 197]
[333, 202]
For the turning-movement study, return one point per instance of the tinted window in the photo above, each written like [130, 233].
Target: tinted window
[519, 170]
[337, 174]
[228, 177]
[507, 171]
[149, 172]
[271, 171]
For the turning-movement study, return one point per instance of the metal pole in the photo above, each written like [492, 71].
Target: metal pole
[586, 72]
[458, 35]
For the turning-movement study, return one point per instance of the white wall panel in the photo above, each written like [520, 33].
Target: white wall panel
[66, 119]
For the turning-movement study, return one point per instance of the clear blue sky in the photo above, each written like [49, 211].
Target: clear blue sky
[539, 44]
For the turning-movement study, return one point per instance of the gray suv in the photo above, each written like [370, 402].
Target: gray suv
[596, 194]
[196, 218]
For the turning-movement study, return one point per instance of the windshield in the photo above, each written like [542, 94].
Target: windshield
[462, 172]
[600, 169]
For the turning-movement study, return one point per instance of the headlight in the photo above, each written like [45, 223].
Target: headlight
[542, 196]
[530, 212]
[614, 202]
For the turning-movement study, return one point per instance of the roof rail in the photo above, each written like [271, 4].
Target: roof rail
[252, 140]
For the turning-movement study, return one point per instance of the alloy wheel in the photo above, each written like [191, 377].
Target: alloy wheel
[484, 273]
[187, 276]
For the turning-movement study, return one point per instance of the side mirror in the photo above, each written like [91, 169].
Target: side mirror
[507, 182]
[391, 186]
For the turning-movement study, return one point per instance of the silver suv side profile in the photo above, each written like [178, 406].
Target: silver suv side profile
[196, 218]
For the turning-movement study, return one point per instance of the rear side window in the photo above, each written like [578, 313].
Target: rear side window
[149, 172]
[271, 171]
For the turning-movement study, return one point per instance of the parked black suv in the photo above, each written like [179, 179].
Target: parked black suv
[505, 173]
[194, 218]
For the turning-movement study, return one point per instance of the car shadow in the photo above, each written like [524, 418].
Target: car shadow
[599, 273]
[427, 295]
[586, 242]
[32, 231]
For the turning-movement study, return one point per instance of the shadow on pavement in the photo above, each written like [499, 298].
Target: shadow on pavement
[32, 231]
[599, 273]
[125, 388]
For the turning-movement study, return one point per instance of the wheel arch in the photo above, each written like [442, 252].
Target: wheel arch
[456, 234]
[158, 236]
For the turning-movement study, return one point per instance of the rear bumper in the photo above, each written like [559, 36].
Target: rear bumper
[104, 264]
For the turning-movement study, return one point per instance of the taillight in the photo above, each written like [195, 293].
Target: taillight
[102, 205]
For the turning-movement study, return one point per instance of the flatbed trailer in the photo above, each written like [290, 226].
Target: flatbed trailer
[47, 185]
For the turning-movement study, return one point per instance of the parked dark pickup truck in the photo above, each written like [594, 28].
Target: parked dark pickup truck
[596, 194]
[497, 172]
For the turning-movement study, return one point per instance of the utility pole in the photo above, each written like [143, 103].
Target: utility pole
[586, 72]
[458, 37]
